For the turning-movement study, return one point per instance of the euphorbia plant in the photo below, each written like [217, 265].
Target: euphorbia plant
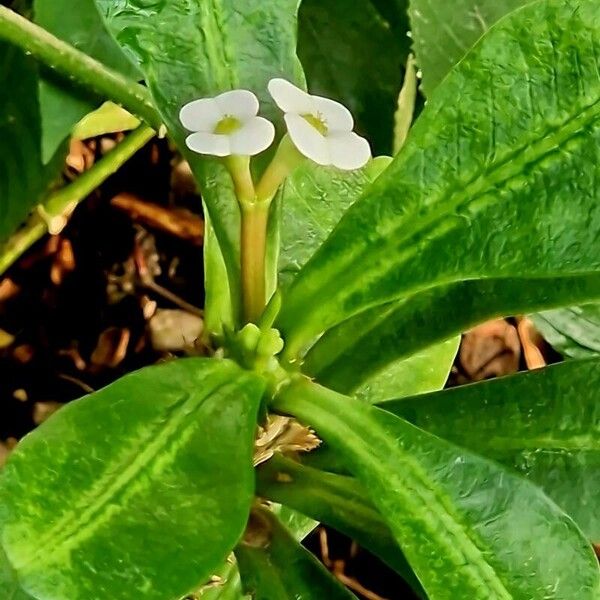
[336, 286]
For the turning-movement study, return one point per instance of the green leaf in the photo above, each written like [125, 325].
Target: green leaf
[443, 32]
[356, 56]
[313, 201]
[574, 332]
[23, 177]
[483, 187]
[466, 525]
[362, 346]
[62, 105]
[337, 501]
[274, 566]
[544, 423]
[163, 456]
[109, 118]
[190, 49]
[9, 586]
[426, 371]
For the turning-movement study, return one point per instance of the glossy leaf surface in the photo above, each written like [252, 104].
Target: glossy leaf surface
[545, 424]
[274, 566]
[362, 346]
[62, 105]
[574, 332]
[466, 525]
[199, 48]
[163, 455]
[443, 32]
[313, 201]
[23, 177]
[502, 182]
[425, 371]
[356, 55]
[336, 500]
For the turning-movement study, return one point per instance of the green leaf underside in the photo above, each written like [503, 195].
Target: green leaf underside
[337, 501]
[468, 527]
[443, 32]
[356, 56]
[190, 49]
[163, 455]
[426, 371]
[23, 177]
[62, 105]
[545, 424]
[282, 569]
[360, 347]
[502, 182]
[574, 332]
[9, 586]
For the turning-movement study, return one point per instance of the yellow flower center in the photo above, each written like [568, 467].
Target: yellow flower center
[317, 122]
[227, 125]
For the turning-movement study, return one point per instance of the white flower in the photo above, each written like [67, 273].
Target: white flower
[320, 128]
[227, 125]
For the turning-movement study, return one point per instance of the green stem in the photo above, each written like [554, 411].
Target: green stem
[286, 159]
[64, 200]
[255, 218]
[77, 66]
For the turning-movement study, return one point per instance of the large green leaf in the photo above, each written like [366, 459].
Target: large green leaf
[468, 527]
[163, 457]
[545, 424]
[502, 182]
[274, 566]
[337, 501]
[62, 105]
[574, 332]
[353, 54]
[23, 177]
[189, 49]
[362, 346]
[443, 32]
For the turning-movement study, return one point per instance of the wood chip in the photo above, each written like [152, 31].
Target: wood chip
[8, 289]
[533, 344]
[44, 410]
[111, 348]
[63, 263]
[178, 222]
[490, 350]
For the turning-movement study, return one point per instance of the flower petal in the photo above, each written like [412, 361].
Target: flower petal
[201, 115]
[336, 116]
[241, 104]
[253, 137]
[307, 139]
[289, 98]
[348, 151]
[209, 143]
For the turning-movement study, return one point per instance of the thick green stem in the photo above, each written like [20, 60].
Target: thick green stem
[63, 201]
[255, 218]
[77, 66]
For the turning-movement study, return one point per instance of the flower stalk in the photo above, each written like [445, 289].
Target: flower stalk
[254, 223]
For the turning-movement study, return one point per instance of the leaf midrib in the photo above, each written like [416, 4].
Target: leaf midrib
[497, 175]
[73, 527]
[461, 540]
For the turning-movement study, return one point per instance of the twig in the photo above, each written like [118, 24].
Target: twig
[62, 203]
[78, 67]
